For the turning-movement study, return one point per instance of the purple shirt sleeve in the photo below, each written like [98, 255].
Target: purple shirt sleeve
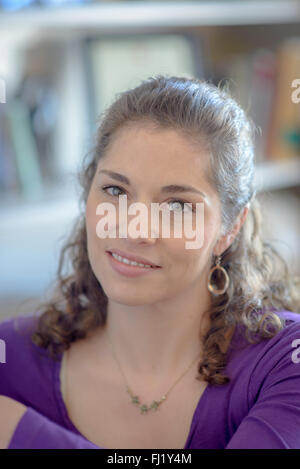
[273, 422]
[35, 431]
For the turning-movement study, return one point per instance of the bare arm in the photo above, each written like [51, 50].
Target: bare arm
[36, 431]
[11, 412]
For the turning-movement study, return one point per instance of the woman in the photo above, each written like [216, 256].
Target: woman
[191, 349]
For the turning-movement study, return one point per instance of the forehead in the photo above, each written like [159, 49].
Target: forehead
[148, 149]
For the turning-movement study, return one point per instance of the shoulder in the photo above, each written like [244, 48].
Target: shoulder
[11, 326]
[281, 343]
[25, 368]
[289, 317]
[280, 347]
[291, 326]
[274, 358]
[15, 334]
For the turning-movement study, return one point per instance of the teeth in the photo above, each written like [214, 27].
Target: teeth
[127, 261]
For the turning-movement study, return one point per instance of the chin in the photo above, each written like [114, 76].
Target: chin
[128, 296]
[128, 300]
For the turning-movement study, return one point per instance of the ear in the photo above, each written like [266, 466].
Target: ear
[226, 240]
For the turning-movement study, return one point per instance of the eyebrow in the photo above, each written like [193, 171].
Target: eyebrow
[172, 188]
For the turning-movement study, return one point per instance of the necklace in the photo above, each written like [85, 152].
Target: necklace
[144, 408]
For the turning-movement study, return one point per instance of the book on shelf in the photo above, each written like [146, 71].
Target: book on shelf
[9, 181]
[261, 82]
[261, 93]
[251, 79]
[45, 119]
[24, 147]
[284, 135]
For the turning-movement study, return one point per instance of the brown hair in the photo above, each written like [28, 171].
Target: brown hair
[259, 277]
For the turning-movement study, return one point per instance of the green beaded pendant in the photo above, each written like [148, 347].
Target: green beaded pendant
[135, 400]
[143, 407]
[155, 405]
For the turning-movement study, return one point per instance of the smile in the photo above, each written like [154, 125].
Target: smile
[127, 268]
[127, 261]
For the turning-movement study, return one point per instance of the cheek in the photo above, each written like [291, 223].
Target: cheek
[91, 217]
[209, 232]
[211, 227]
[194, 261]
[185, 248]
[203, 235]
[183, 263]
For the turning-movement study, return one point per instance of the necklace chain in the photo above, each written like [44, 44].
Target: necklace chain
[144, 408]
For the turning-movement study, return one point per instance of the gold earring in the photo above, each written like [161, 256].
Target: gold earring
[216, 291]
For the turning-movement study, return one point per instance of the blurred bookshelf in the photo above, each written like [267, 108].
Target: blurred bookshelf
[62, 66]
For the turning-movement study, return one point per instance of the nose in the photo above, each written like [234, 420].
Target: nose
[142, 227]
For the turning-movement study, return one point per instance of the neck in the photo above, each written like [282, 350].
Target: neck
[159, 339]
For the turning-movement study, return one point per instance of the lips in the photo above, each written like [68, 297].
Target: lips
[133, 257]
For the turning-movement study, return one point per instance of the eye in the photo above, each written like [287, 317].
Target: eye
[105, 189]
[187, 208]
[181, 203]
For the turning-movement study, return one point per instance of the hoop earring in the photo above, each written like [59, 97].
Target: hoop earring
[216, 291]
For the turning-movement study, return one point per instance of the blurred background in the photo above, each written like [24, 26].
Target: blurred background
[62, 63]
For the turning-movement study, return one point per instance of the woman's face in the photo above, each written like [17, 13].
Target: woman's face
[151, 159]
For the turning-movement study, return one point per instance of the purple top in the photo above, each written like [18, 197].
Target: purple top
[258, 408]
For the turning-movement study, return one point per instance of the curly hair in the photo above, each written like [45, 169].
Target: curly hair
[260, 281]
